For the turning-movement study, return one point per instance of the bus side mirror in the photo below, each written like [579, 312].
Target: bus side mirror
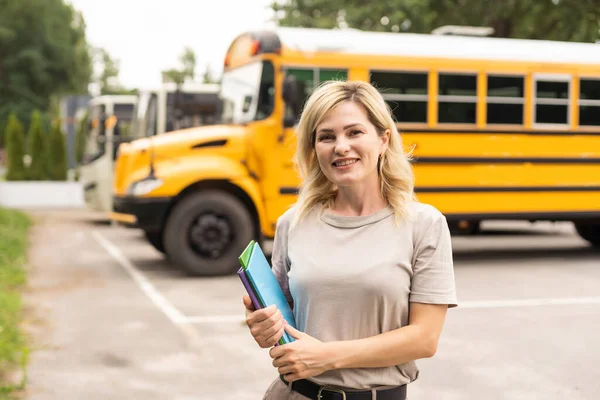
[292, 95]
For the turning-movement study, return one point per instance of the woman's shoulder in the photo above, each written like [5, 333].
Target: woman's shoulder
[425, 214]
[287, 217]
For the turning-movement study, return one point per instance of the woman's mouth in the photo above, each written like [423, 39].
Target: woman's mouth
[345, 163]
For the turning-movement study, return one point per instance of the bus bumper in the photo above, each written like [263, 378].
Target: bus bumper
[147, 214]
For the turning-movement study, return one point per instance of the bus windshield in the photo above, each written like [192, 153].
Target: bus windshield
[248, 93]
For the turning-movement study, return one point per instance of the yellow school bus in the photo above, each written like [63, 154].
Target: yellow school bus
[499, 128]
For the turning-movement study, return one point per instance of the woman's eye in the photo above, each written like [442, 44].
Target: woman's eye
[354, 133]
[324, 138]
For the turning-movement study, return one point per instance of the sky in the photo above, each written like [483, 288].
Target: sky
[148, 36]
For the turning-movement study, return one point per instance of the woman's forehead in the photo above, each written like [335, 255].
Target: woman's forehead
[344, 114]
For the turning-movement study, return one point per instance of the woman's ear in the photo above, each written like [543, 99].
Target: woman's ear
[385, 139]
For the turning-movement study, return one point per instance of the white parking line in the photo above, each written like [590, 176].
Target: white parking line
[161, 302]
[214, 319]
[184, 322]
[517, 303]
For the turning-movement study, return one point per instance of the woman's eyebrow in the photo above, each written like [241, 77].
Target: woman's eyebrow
[329, 130]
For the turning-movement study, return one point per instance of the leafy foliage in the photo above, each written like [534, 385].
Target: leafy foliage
[567, 20]
[43, 54]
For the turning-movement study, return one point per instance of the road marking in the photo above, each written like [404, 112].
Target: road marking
[160, 301]
[214, 319]
[517, 303]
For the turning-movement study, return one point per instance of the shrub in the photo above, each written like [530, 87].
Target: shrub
[58, 154]
[38, 149]
[15, 150]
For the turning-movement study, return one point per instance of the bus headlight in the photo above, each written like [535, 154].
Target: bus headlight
[144, 186]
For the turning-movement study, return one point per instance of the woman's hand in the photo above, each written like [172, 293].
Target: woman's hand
[266, 324]
[303, 358]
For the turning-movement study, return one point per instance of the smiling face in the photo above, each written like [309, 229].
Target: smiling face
[348, 146]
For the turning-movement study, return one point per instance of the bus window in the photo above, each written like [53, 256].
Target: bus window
[333, 75]
[309, 78]
[305, 78]
[551, 102]
[589, 102]
[405, 93]
[457, 97]
[505, 99]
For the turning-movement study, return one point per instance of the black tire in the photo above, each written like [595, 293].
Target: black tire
[155, 239]
[589, 232]
[207, 231]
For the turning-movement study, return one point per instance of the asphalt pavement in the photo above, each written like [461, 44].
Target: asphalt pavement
[110, 317]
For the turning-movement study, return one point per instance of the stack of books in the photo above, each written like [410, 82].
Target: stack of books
[262, 286]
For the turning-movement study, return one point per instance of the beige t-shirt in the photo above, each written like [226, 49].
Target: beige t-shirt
[353, 277]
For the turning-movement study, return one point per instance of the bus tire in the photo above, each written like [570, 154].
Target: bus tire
[207, 231]
[589, 232]
[155, 239]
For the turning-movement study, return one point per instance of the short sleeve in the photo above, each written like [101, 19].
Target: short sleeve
[279, 258]
[433, 268]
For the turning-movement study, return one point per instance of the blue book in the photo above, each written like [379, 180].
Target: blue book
[265, 285]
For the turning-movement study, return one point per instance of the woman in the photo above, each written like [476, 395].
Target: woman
[367, 269]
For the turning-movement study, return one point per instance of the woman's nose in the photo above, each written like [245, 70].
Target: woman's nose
[342, 147]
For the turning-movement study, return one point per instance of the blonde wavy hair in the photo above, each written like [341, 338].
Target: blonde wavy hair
[395, 171]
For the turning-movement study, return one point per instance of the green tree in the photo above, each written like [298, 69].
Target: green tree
[106, 78]
[57, 154]
[188, 61]
[38, 149]
[208, 75]
[179, 76]
[186, 69]
[15, 150]
[43, 54]
[568, 20]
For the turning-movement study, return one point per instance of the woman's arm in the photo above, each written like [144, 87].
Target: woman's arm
[307, 356]
[419, 339]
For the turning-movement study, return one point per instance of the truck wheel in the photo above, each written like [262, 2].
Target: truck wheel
[590, 232]
[207, 231]
[155, 239]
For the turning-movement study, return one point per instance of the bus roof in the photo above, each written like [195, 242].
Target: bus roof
[113, 98]
[188, 86]
[352, 41]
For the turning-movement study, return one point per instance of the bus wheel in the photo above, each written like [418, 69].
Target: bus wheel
[207, 231]
[155, 239]
[590, 232]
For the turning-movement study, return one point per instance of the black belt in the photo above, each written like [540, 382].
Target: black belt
[313, 391]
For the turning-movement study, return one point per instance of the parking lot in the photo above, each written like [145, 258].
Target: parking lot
[111, 318]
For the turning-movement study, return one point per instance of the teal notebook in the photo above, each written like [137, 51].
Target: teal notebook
[265, 285]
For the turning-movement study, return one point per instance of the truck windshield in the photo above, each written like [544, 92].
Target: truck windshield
[95, 142]
[248, 93]
[144, 116]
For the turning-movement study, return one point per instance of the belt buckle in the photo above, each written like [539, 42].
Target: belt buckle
[320, 396]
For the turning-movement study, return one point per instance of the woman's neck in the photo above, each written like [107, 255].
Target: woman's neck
[357, 201]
